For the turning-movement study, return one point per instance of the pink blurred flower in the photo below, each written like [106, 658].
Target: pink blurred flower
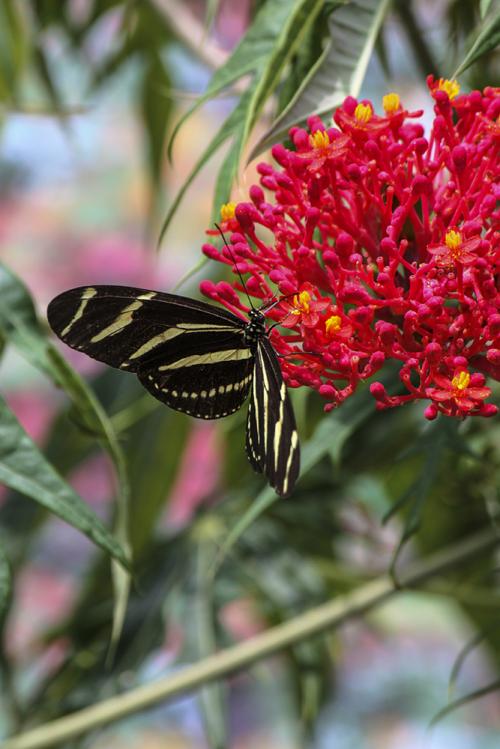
[199, 474]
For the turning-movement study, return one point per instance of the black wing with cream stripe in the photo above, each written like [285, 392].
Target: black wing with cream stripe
[272, 441]
[188, 354]
[193, 356]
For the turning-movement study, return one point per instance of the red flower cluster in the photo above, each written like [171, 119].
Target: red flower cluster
[385, 246]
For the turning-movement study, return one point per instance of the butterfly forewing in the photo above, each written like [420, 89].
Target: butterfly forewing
[272, 440]
[188, 354]
[124, 326]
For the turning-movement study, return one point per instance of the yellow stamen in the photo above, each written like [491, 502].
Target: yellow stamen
[301, 303]
[391, 103]
[319, 139]
[304, 299]
[453, 239]
[451, 87]
[333, 324]
[227, 211]
[363, 113]
[461, 381]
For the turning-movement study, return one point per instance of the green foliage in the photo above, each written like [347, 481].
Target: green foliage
[352, 31]
[23, 467]
[432, 484]
[266, 49]
[487, 40]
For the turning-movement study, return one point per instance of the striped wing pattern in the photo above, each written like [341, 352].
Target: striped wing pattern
[272, 442]
[188, 354]
[192, 356]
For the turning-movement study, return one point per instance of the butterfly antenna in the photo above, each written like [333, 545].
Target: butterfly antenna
[235, 264]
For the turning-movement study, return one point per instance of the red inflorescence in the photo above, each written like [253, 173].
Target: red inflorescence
[384, 245]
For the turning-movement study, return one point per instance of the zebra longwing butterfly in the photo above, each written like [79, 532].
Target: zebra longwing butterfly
[197, 358]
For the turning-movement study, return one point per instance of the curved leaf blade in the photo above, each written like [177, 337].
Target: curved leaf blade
[330, 435]
[339, 72]
[5, 585]
[20, 325]
[256, 46]
[24, 468]
[487, 39]
[267, 48]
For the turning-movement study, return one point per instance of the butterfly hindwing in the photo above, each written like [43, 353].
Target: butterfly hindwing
[272, 440]
[206, 384]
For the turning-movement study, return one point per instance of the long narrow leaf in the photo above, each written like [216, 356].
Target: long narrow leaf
[24, 468]
[20, 326]
[265, 51]
[247, 58]
[339, 71]
[329, 437]
[488, 39]
[5, 584]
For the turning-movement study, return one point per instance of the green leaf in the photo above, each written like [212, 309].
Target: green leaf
[5, 584]
[156, 110]
[487, 39]
[24, 468]
[212, 697]
[230, 128]
[248, 56]
[13, 48]
[477, 694]
[20, 325]
[433, 443]
[212, 8]
[484, 6]
[266, 49]
[340, 70]
[329, 437]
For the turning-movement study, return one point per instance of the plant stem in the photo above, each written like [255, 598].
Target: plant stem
[218, 665]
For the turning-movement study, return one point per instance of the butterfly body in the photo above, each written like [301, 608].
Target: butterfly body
[194, 357]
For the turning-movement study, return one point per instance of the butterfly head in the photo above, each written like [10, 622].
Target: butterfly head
[256, 327]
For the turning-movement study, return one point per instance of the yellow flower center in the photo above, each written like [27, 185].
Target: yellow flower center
[363, 113]
[390, 102]
[452, 88]
[453, 240]
[461, 381]
[333, 324]
[301, 303]
[227, 211]
[319, 139]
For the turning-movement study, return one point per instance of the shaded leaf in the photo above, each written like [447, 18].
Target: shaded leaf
[339, 71]
[487, 39]
[433, 443]
[329, 437]
[156, 110]
[20, 325]
[469, 646]
[494, 686]
[484, 6]
[265, 50]
[13, 48]
[5, 584]
[24, 468]
[212, 697]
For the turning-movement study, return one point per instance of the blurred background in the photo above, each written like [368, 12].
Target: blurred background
[84, 188]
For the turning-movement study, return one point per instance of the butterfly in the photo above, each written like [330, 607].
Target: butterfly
[193, 356]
